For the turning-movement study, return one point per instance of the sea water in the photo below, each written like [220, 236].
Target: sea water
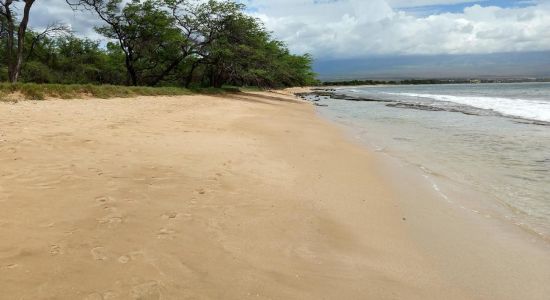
[493, 139]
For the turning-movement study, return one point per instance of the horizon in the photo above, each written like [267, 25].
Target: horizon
[530, 65]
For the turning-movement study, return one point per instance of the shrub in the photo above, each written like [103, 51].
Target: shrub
[37, 72]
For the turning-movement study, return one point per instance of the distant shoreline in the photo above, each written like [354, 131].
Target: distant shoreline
[474, 80]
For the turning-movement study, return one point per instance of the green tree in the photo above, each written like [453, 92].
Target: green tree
[168, 42]
[242, 52]
[146, 34]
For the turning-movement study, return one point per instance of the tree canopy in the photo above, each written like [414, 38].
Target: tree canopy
[156, 42]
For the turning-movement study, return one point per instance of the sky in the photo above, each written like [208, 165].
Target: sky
[363, 30]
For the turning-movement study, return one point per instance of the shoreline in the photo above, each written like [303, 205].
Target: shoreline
[467, 207]
[335, 93]
[235, 196]
[494, 234]
[485, 203]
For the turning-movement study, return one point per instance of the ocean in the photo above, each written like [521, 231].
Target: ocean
[493, 139]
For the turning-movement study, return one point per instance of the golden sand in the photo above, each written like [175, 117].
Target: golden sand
[198, 197]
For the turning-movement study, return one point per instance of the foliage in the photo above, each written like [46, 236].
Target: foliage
[357, 82]
[35, 91]
[13, 32]
[188, 43]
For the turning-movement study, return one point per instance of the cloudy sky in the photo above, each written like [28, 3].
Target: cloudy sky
[357, 28]
[363, 29]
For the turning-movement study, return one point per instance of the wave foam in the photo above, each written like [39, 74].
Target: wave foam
[538, 110]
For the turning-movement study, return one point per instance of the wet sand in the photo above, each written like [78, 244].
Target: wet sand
[214, 197]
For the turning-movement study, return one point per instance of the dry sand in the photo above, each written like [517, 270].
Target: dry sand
[199, 197]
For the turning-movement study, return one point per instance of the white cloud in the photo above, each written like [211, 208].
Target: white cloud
[356, 28]
[45, 12]
[417, 3]
[359, 28]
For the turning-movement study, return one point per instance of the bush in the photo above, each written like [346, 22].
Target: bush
[3, 74]
[33, 91]
[37, 72]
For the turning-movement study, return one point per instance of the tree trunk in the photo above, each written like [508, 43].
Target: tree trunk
[10, 27]
[219, 79]
[15, 57]
[216, 76]
[190, 74]
[21, 39]
[132, 76]
[167, 71]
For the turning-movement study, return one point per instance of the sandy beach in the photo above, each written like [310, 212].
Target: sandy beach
[241, 196]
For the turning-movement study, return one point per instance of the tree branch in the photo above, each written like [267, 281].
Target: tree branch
[53, 29]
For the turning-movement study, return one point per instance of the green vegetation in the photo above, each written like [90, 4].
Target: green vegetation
[432, 81]
[185, 44]
[357, 82]
[391, 82]
[34, 91]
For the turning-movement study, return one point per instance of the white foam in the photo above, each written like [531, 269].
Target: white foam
[538, 110]
[435, 186]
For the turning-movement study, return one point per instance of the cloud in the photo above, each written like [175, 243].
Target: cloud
[418, 3]
[356, 28]
[361, 28]
[45, 12]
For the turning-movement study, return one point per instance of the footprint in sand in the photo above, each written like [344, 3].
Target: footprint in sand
[200, 191]
[104, 200]
[55, 250]
[99, 253]
[166, 233]
[11, 266]
[113, 219]
[105, 296]
[170, 215]
[146, 291]
[94, 296]
[124, 259]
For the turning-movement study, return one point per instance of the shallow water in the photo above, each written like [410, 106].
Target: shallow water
[490, 138]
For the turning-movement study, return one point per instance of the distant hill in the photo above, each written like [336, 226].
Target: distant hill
[532, 64]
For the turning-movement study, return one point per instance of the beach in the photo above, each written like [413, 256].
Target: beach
[234, 196]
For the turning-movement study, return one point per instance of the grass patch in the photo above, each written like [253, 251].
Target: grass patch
[33, 91]
[251, 89]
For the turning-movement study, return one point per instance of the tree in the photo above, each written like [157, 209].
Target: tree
[153, 42]
[241, 51]
[53, 29]
[202, 23]
[83, 61]
[3, 25]
[15, 35]
[145, 33]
